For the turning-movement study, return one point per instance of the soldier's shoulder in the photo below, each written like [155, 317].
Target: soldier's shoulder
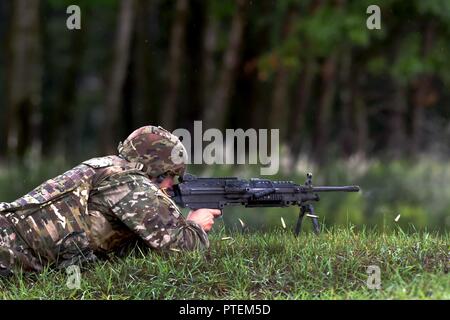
[145, 181]
[130, 180]
[99, 162]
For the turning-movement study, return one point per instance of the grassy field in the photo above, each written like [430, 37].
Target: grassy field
[273, 265]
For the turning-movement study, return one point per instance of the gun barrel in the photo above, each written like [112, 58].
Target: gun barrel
[334, 189]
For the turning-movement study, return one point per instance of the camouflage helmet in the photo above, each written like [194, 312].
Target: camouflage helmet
[159, 151]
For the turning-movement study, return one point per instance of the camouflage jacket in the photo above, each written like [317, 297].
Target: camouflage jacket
[96, 207]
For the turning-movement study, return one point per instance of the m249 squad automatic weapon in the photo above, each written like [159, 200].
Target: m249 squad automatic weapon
[217, 193]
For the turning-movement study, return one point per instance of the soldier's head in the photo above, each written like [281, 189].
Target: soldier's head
[161, 153]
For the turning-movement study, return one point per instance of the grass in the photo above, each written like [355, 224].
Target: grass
[272, 265]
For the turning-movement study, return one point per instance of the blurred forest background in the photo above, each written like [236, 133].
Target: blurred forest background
[353, 105]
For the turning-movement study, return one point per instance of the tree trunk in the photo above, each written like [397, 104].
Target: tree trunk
[396, 122]
[118, 73]
[279, 111]
[307, 78]
[209, 66]
[5, 10]
[298, 124]
[417, 116]
[190, 108]
[142, 65]
[177, 41]
[24, 80]
[215, 112]
[346, 101]
[424, 95]
[67, 94]
[324, 108]
[361, 130]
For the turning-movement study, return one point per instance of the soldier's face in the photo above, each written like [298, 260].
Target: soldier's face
[167, 182]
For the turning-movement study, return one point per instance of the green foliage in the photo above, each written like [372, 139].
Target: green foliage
[287, 34]
[273, 265]
[221, 9]
[438, 59]
[353, 29]
[409, 62]
[436, 8]
[323, 30]
[377, 65]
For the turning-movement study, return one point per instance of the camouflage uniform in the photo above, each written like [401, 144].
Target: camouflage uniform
[99, 206]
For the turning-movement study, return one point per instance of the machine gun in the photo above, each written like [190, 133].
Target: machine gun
[217, 193]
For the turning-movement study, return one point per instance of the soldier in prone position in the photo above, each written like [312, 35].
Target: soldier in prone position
[103, 205]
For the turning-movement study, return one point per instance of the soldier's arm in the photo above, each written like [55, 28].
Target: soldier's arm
[151, 214]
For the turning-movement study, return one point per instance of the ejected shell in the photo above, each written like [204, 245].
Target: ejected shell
[397, 218]
[242, 223]
[282, 223]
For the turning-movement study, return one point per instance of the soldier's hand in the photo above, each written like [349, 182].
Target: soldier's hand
[204, 217]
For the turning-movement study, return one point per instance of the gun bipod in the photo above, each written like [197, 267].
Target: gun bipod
[307, 209]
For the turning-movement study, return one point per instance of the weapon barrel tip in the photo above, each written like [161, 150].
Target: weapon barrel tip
[353, 188]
